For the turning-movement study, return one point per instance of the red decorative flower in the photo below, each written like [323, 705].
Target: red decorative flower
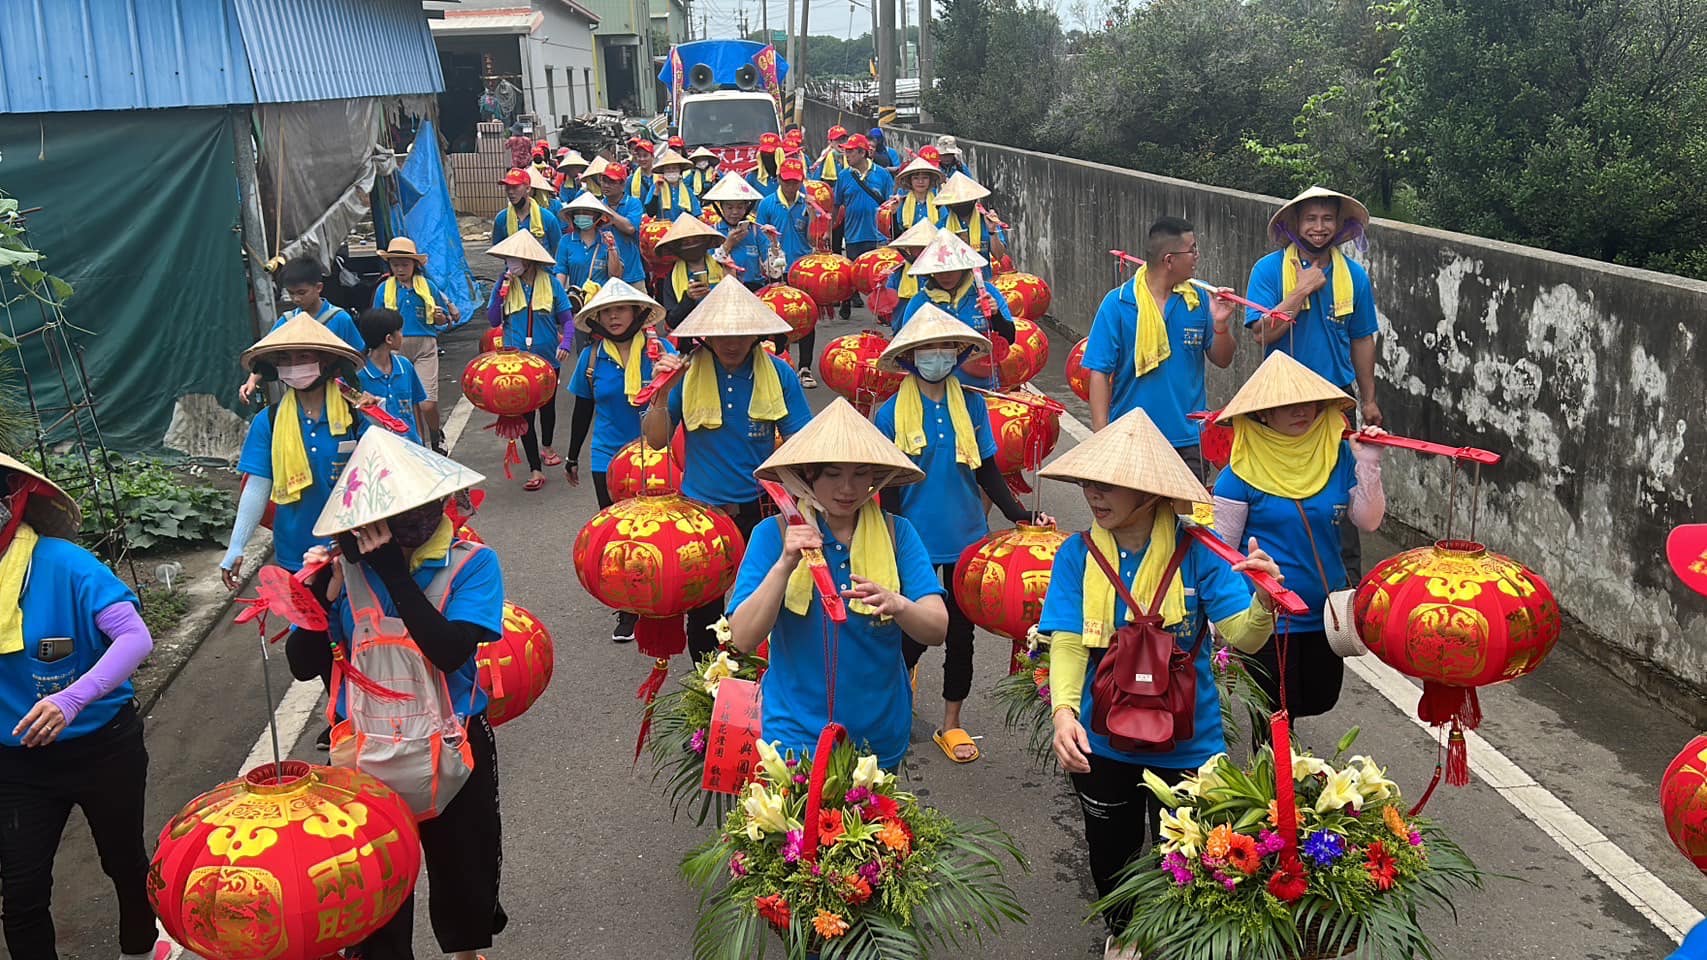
[830, 827]
[1380, 865]
[858, 890]
[881, 807]
[774, 909]
[1289, 882]
[1242, 854]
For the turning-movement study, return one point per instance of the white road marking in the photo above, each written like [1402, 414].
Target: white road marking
[457, 421]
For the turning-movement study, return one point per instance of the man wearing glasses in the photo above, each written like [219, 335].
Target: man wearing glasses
[1150, 338]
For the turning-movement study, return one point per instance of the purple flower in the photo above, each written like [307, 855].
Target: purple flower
[738, 865]
[1269, 842]
[1176, 864]
[792, 762]
[1229, 883]
[870, 871]
[1324, 847]
[799, 778]
[857, 796]
[817, 871]
[1047, 694]
[793, 845]
[697, 742]
[1223, 657]
[1416, 839]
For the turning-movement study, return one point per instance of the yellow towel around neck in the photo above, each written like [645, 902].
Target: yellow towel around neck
[436, 547]
[292, 472]
[536, 224]
[871, 555]
[519, 298]
[631, 381]
[14, 570]
[1151, 345]
[679, 276]
[419, 285]
[910, 435]
[1282, 466]
[702, 408]
[1100, 594]
[1292, 262]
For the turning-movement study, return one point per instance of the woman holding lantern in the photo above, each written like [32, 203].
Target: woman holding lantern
[535, 312]
[953, 280]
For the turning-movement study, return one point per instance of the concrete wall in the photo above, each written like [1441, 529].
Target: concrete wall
[1588, 376]
[564, 44]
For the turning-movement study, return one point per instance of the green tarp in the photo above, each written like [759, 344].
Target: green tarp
[139, 211]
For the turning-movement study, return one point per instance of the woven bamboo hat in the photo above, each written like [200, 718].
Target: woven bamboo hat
[1130, 453]
[301, 332]
[1281, 382]
[686, 228]
[919, 165]
[731, 310]
[916, 237]
[1350, 208]
[588, 203]
[615, 292]
[960, 188]
[702, 153]
[537, 181]
[55, 516]
[930, 326]
[403, 248]
[523, 246]
[387, 475]
[838, 434]
[733, 186]
[945, 254]
[572, 159]
[670, 158]
[595, 168]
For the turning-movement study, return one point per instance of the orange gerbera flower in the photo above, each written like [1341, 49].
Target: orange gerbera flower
[858, 890]
[1396, 824]
[830, 827]
[1040, 676]
[1220, 841]
[1242, 854]
[895, 838]
[829, 925]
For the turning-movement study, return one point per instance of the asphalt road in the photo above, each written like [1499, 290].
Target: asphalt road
[591, 852]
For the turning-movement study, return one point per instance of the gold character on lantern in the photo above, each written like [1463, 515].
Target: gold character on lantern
[1447, 641]
[330, 821]
[235, 913]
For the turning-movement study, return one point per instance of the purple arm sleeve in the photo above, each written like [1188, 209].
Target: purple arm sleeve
[495, 309]
[130, 645]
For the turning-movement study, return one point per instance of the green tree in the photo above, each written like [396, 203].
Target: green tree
[998, 69]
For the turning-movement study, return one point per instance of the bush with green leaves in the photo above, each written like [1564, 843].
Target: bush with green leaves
[161, 506]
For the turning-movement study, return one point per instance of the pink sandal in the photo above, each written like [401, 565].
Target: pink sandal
[534, 483]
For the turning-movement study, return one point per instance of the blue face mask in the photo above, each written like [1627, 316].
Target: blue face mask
[583, 222]
[935, 365]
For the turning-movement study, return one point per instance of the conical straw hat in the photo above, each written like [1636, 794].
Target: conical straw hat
[670, 158]
[537, 181]
[916, 237]
[1130, 453]
[703, 153]
[387, 475]
[838, 434]
[931, 325]
[731, 310]
[301, 332]
[960, 188]
[595, 168]
[945, 254]
[1350, 208]
[572, 159]
[615, 292]
[590, 204]
[686, 227]
[919, 165]
[57, 516]
[1280, 382]
[523, 246]
[733, 186]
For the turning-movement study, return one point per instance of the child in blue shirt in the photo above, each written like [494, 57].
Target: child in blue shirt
[388, 375]
[735, 199]
[304, 284]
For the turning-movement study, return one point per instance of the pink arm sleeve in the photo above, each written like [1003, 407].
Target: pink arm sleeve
[131, 643]
[1230, 516]
[1368, 496]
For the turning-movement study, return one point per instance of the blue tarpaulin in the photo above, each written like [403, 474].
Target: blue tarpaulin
[724, 57]
[429, 219]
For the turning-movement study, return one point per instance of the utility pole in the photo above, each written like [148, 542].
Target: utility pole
[885, 61]
[797, 69]
[788, 87]
[765, 18]
[905, 69]
[925, 57]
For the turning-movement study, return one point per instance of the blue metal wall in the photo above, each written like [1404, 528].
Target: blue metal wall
[337, 49]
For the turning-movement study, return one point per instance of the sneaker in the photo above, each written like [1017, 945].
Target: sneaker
[806, 379]
[624, 632]
[323, 743]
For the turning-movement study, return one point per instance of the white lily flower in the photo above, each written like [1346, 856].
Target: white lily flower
[1341, 792]
[868, 774]
[775, 769]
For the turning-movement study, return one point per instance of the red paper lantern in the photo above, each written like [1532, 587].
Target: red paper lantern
[296, 863]
[824, 196]
[510, 384]
[886, 216]
[639, 468]
[516, 668]
[825, 277]
[795, 308]
[1027, 290]
[1078, 378]
[1000, 581]
[871, 268]
[1683, 800]
[1026, 426]
[1026, 357]
[848, 365]
[1456, 617]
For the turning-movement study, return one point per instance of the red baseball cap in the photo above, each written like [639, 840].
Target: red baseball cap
[517, 177]
[838, 132]
[677, 143]
[857, 142]
[931, 153]
[646, 147]
[616, 171]
[792, 169]
[770, 141]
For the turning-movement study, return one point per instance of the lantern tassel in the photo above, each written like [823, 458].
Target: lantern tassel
[648, 692]
[660, 636]
[1457, 757]
[343, 669]
[1440, 703]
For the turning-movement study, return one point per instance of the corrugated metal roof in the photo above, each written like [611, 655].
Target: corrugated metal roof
[488, 22]
[335, 49]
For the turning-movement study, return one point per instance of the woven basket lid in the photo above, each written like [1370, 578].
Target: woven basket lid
[919, 165]
[670, 158]
[1130, 453]
[387, 475]
[589, 203]
[301, 332]
[945, 254]
[1350, 207]
[916, 237]
[523, 246]
[733, 186]
[686, 227]
[1281, 382]
[838, 434]
[58, 516]
[615, 292]
[731, 310]
[930, 325]
[960, 188]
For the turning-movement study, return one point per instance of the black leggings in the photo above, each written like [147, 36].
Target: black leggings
[464, 851]
[1121, 816]
[1314, 674]
[701, 640]
[808, 347]
[601, 488]
[105, 774]
[957, 656]
[540, 431]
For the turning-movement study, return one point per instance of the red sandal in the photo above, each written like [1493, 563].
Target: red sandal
[534, 483]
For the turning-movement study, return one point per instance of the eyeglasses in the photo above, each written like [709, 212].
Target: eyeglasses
[1095, 486]
[1191, 252]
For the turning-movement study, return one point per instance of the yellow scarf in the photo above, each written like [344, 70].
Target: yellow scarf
[972, 230]
[631, 382]
[827, 170]
[1152, 341]
[637, 183]
[872, 556]
[909, 206]
[683, 199]
[952, 298]
[1283, 466]
[517, 299]
[908, 287]
[14, 570]
[436, 547]
[679, 276]
[292, 472]
[418, 285]
[703, 408]
[1100, 594]
[536, 223]
[910, 434]
[1293, 261]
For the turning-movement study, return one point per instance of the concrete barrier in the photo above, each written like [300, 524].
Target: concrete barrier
[1587, 375]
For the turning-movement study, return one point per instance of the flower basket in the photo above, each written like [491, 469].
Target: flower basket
[827, 854]
[1220, 885]
[681, 726]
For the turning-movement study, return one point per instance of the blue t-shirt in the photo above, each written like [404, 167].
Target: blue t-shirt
[547, 324]
[398, 392]
[767, 184]
[506, 223]
[749, 254]
[633, 267]
[1694, 946]
[1274, 522]
[410, 306]
[791, 221]
[581, 261]
[476, 596]
[616, 422]
[945, 506]
[293, 523]
[1172, 390]
[1211, 588]
[720, 462]
[673, 201]
[859, 225]
[873, 698]
[335, 319]
[1319, 340]
[64, 590]
[963, 307]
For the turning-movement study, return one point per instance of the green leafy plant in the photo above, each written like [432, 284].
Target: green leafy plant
[24, 261]
[681, 725]
[162, 609]
[158, 505]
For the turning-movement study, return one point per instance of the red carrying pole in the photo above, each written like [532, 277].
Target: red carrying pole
[1267, 312]
[1289, 601]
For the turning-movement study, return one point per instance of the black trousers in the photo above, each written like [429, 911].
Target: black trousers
[957, 646]
[701, 640]
[542, 423]
[105, 774]
[464, 851]
[1314, 674]
[1121, 817]
[601, 488]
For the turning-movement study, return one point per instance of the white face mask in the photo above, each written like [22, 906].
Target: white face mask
[299, 376]
[513, 266]
[672, 176]
[935, 365]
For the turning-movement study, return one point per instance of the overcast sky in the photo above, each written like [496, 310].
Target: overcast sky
[835, 18]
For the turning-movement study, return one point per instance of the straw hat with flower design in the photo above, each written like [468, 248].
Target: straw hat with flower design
[946, 254]
[733, 186]
[931, 326]
[386, 476]
[1129, 453]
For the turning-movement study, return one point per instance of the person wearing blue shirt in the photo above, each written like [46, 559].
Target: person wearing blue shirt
[536, 315]
[902, 285]
[401, 569]
[733, 399]
[704, 172]
[1150, 338]
[960, 213]
[422, 305]
[861, 187]
[524, 213]
[388, 375]
[949, 278]
[789, 215]
[304, 284]
[670, 194]
[950, 157]
[834, 470]
[766, 177]
[919, 182]
[571, 167]
[1694, 946]
[1327, 294]
[1132, 482]
[881, 153]
[945, 431]
[626, 213]
[734, 200]
[1293, 484]
[70, 732]
[589, 251]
